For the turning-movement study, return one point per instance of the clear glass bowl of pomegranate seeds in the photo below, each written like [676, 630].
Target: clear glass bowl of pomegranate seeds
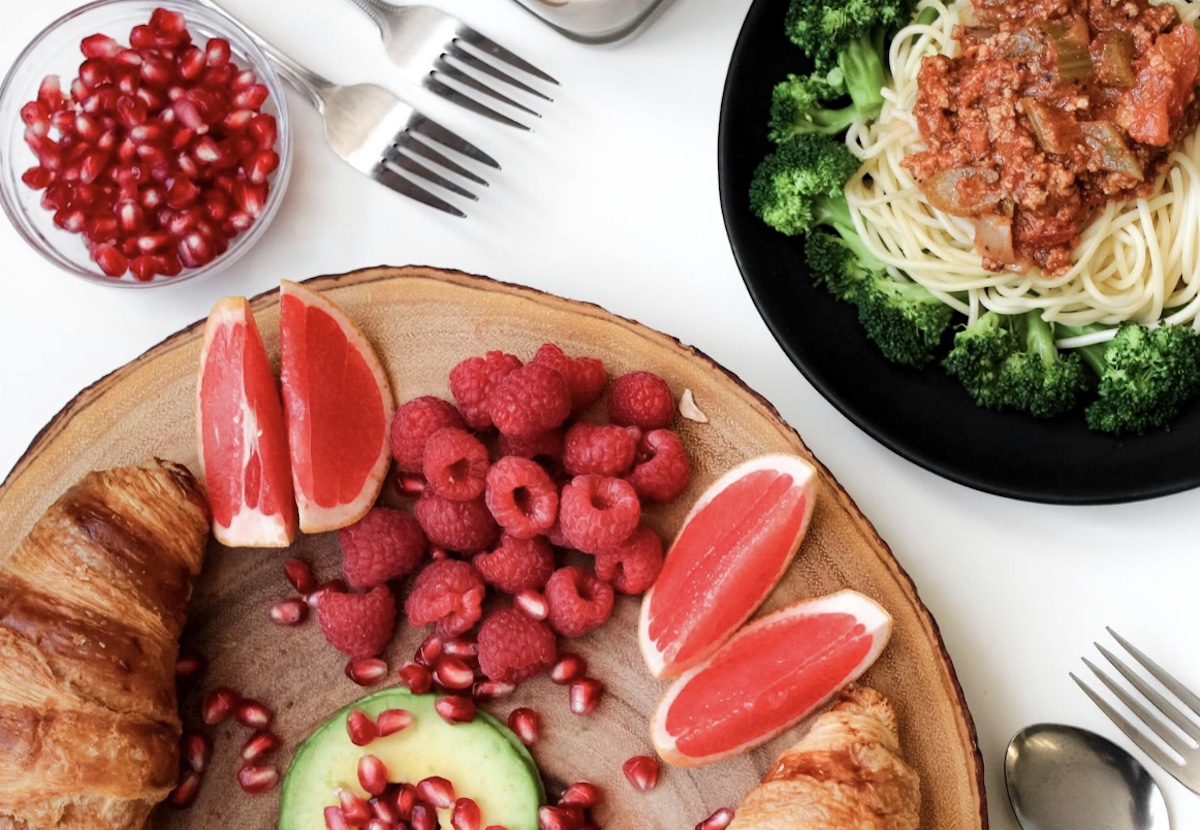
[144, 143]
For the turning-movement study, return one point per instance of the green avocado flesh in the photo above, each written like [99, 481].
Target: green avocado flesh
[483, 759]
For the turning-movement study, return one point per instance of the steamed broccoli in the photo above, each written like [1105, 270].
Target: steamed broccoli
[841, 263]
[1011, 362]
[1146, 376]
[801, 185]
[799, 106]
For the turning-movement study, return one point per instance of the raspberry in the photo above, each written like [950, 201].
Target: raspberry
[579, 601]
[632, 566]
[358, 625]
[548, 446]
[447, 592]
[599, 449]
[384, 544]
[529, 401]
[585, 376]
[455, 464]
[641, 399]
[471, 383]
[663, 469]
[598, 512]
[464, 526]
[521, 496]
[517, 564]
[415, 421]
[513, 646]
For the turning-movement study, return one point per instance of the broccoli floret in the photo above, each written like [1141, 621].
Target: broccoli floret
[1147, 374]
[840, 263]
[1010, 361]
[798, 106]
[903, 318]
[801, 185]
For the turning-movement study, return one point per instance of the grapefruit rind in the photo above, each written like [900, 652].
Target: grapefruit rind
[315, 517]
[658, 656]
[248, 526]
[874, 618]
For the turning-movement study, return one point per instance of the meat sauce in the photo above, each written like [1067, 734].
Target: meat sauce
[1052, 109]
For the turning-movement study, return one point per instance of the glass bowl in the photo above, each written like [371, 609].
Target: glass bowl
[56, 51]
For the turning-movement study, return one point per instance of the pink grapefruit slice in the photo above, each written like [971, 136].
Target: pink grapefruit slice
[733, 547]
[240, 433]
[338, 405]
[773, 673]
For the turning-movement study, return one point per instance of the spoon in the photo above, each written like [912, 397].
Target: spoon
[1065, 778]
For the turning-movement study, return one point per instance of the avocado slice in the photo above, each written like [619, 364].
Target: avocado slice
[483, 759]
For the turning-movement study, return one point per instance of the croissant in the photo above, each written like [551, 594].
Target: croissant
[91, 606]
[846, 773]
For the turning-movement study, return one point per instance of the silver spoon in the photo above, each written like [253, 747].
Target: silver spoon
[1065, 778]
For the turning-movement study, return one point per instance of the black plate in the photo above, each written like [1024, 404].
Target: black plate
[923, 415]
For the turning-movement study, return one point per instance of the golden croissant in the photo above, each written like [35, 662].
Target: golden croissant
[91, 606]
[846, 773]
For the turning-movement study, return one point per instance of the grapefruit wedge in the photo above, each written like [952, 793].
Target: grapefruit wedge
[773, 673]
[240, 433]
[733, 547]
[338, 405]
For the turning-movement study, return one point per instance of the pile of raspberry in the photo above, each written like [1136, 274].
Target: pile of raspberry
[511, 482]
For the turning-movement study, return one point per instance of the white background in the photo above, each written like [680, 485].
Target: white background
[614, 200]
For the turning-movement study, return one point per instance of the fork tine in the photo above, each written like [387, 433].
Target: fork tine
[489, 46]
[451, 94]
[455, 73]
[393, 157]
[390, 178]
[1160, 674]
[1147, 717]
[1132, 732]
[433, 130]
[1165, 706]
[480, 65]
[420, 148]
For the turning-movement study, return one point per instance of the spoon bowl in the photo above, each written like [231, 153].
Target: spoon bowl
[1065, 778]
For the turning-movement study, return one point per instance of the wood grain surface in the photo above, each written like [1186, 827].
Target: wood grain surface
[422, 321]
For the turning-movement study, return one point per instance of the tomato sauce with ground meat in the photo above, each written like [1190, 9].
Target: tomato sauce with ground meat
[1052, 109]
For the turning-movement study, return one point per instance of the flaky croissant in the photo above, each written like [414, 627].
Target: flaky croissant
[91, 606]
[846, 773]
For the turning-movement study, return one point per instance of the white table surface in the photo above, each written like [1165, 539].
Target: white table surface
[613, 200]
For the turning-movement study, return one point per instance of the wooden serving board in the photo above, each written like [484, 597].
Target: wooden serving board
[423, 321]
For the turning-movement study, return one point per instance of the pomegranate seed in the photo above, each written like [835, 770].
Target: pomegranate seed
[78, 90]
[156, 71]
[455, 709]
[416, 677]
[143, 268]
[188, 116]
[314, 599]
[218, 77]
[366, 671]
[253, 714]
[429, 651]
[453, 673]
[185, 792]
[93, 72]
[207, 151]
[165, 22]
[36, 117]
[252, 198]
[191, 63]
[92, 166]
[238, 222]
[583, 794]
[101, 229]
[261, 165]
[196, 250]
[218, 705]
[360, 727]
[50, 94]
[147, 134]
[409, 485]
[391, 721]
[131, 217]
[38, 178]
[490, 689]
[335, 819]
[252, 97]
[259, 745]
[461, 647]
[379, 824]
[557, 818]
[383, 807]
[583, 695]
[354, 806]
[238, 120]
[243, 80]
[523, 721]
[466, 815]
[642, 772]
[152, 98]
[99, 46]
[149, 243]
[110, 260]
[719, 820]
[88, 127]
[196, 750]
[290, 611]
[423, 817]
[265, 130]
[406, 801]
[532, 603]
[168, 264]
[190, 665]
[216, 206]
[372, 774]
[256, 779]
[217, 53]
[437, 791]
[299, 574]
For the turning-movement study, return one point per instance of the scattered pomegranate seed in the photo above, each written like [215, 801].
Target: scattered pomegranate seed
[416, 677]
[523, 721]
[719, 820]
[360, 727]
[314, 597]
[185, 792]
[335, 819]
[642, 772]
[299, 574]
[557, 818]
[532, 603]
[379, 824]
[259, 745]
[290, 611]
[372, 774]
[256, 779]
[407, 484]
[453, 673]
[406, 800]
[253, 714]
[354, 807]
[383, 807]
[455, 709]
[460, 647]
[219, 704]
[583, 794]
[366, 671]
[190, 666]
[491, 689]
[437, 791]
[437, 552]
[196, 749]
[423, 817]
[570, 666]
[391, 721]
[466, 815]
[429, 651]
[583, 695]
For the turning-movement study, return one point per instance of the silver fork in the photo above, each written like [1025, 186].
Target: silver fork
[1186, 769]
[429, 46]
[378, 133]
